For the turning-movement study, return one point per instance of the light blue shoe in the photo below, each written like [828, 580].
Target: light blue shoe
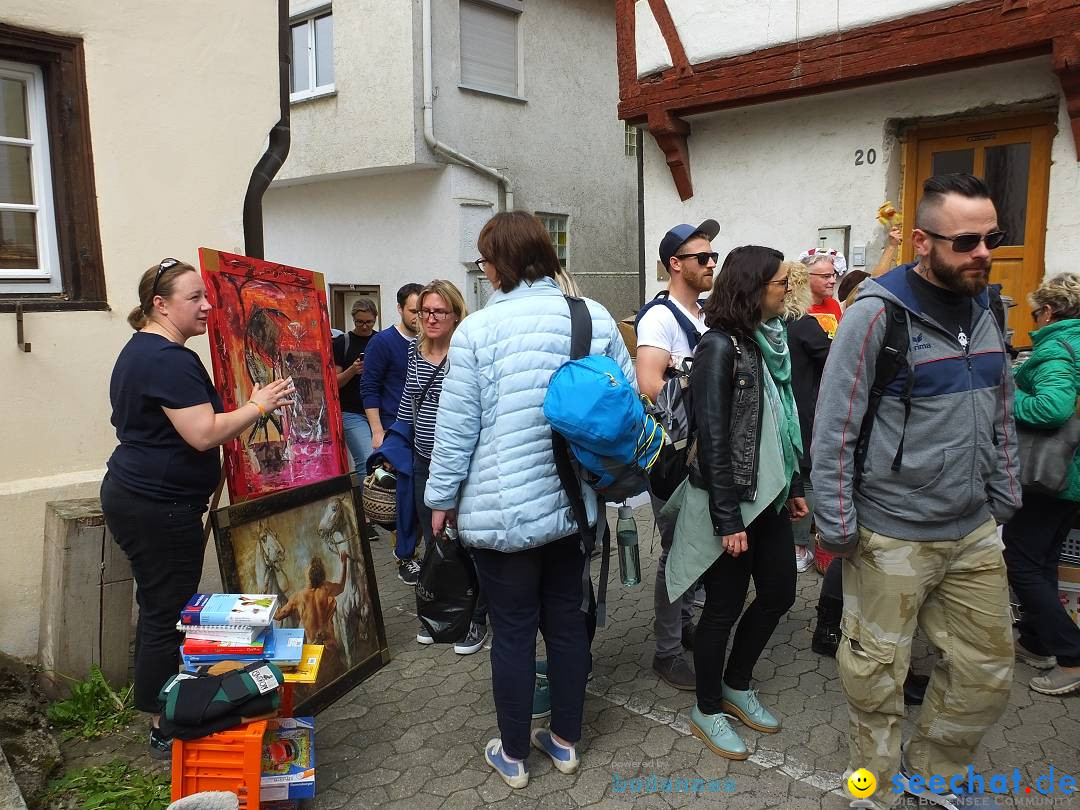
[746, 707]
[515, 774]
[564, 759]
[716, 732]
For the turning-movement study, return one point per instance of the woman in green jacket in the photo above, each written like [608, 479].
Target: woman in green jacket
[1046, 392]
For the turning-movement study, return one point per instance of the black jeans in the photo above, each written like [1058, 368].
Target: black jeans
[832, 585]
[536, 588]
[770, 560]
[1033, 541]
[164, 543]
[421, 469]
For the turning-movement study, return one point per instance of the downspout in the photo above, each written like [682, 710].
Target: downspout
[440, 148]
[276, 151]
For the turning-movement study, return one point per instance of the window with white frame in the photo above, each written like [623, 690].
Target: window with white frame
[28, 249]
[556, 225]
[311, 73]
[630, 140]
[490, 53]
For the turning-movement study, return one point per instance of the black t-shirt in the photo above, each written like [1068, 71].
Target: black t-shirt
[153, 459]
[809, 345]
[951, 310]
[347, 348]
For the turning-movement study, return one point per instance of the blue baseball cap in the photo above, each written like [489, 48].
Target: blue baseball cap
[680, 233]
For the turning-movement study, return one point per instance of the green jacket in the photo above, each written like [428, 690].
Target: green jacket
[1047, 384]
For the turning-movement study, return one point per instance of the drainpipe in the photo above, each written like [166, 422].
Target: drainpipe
[429, 124]
[276, 151]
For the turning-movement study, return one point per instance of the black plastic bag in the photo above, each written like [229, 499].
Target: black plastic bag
[447, 591]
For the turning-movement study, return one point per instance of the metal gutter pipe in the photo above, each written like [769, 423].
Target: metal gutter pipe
[276, 151]
[440, 148]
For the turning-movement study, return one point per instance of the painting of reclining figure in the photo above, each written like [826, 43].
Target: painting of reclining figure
[270, 322]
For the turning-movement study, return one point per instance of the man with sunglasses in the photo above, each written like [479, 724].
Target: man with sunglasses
[910, 495]
[668, 328]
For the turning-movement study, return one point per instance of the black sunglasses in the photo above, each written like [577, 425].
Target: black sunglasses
[161, 268]
[703, 258]
[967, 242]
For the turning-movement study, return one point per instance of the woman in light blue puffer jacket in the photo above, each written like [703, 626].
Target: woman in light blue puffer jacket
[493, 473]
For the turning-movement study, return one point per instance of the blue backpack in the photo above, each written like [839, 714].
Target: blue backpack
[591, 405]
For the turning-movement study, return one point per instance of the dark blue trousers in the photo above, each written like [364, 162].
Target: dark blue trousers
[526, 590]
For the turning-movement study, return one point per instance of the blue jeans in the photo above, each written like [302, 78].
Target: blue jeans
[357, 438]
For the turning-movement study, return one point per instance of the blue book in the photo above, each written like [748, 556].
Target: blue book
[230, 609]
[283, 647]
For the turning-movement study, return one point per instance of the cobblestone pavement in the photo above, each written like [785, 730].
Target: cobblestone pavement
[412, 735]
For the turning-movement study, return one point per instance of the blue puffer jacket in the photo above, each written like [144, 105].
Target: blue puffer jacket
[492, 442]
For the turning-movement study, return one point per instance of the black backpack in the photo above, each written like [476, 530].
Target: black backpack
[663, 298]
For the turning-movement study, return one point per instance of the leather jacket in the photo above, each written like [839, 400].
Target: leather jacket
[727, 395]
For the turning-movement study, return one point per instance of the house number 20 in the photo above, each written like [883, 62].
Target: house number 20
[868, 157]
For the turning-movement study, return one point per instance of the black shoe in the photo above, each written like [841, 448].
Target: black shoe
[826, 638]
[688, 631]
[408, 571]
[915, 688]
[676, 672]
[160, 745]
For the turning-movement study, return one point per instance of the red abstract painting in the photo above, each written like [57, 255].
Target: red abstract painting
[270, 322]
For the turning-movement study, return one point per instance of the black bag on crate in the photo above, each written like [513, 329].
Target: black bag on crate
[447, 590]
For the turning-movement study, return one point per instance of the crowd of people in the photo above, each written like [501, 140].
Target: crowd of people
[878, 428]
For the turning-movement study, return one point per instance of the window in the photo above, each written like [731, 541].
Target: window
[489, 46]
[630, 140]
[556, 227]
[311, 73]
[50, 247]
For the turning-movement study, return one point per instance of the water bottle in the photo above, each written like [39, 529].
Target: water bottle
[626, 534]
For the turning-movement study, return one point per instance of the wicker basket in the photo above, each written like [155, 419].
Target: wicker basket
[380, 503]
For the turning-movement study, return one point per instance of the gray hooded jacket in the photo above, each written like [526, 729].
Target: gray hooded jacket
[959, 463]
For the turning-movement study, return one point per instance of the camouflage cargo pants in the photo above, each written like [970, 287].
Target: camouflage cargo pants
[957, 592]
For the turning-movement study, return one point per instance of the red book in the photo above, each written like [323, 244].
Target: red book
[200, 646]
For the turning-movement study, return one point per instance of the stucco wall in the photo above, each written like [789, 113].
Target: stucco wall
[179, 115]
[774, 173]
[713, 29]
[368, 124]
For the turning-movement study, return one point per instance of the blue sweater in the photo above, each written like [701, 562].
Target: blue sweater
[386, 360]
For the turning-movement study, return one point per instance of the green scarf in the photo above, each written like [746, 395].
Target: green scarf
[771, 337]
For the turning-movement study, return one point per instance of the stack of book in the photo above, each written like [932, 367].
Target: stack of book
[236, 627]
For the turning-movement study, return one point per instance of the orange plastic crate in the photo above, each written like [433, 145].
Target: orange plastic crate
[227, 760]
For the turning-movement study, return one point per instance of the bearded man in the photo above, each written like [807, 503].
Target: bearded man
[914, 512]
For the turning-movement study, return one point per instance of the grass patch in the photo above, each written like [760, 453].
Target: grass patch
[116, 786]
[93, 709]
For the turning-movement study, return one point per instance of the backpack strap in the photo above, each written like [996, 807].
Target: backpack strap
[688, 327]
[891, 359]
[580, 341]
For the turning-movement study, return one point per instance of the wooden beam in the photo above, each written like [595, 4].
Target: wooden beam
[662, 15]
[670, 134]
[626, 47]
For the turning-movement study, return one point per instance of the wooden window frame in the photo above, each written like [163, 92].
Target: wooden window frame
[62, 63]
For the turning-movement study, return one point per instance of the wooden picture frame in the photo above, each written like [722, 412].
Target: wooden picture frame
[271, 545]
[270, 321]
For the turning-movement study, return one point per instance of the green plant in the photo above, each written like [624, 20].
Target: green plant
[93, 708]
[116, 786]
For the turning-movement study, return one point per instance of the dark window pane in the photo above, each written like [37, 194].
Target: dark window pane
[324, 51]
[13, 122]
[16, 182]
[299, 74]
[1007, 178]
[958, 160]
[18, 241]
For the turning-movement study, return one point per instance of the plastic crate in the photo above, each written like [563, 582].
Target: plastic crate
[1069, 591]
[229, 760]
[1070, 550]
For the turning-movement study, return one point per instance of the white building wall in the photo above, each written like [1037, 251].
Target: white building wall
[772, 174]
[176, 130]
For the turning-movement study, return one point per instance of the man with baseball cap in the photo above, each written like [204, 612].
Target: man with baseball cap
[668, 328]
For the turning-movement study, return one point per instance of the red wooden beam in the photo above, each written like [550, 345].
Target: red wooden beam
[680, 64]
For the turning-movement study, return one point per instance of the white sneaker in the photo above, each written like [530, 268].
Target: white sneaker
[804, 561]
[424, 637]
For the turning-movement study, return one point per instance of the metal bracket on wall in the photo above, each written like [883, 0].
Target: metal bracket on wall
[24, 345]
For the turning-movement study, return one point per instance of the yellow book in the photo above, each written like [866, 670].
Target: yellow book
[308, 668]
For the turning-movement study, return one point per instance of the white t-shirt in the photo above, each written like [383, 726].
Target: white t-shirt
[659, 329]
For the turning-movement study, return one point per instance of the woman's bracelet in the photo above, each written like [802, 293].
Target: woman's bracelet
[262, 410]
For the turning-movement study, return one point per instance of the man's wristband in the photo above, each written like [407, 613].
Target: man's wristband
[262, 410]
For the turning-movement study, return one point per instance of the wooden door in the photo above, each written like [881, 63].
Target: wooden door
[1013, 157]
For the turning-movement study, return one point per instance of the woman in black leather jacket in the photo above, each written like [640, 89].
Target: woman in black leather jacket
[749, 443]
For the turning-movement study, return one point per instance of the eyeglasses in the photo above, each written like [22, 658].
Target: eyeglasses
[357, 322]
[437, 314]
[480, 264]
[703, 258]
[967, 242]
[833, 274]
[1036, 313]
[786, 281]
[161, 268]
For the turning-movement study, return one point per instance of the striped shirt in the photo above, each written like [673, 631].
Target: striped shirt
[417, 376]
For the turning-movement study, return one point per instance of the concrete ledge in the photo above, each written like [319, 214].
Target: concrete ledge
[10, 796]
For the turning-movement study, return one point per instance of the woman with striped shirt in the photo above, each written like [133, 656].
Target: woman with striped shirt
[441, 308]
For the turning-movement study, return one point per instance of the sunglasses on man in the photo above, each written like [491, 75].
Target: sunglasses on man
[967, 242]
[703, 258]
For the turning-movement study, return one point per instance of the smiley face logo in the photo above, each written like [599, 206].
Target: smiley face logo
[861, 783]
